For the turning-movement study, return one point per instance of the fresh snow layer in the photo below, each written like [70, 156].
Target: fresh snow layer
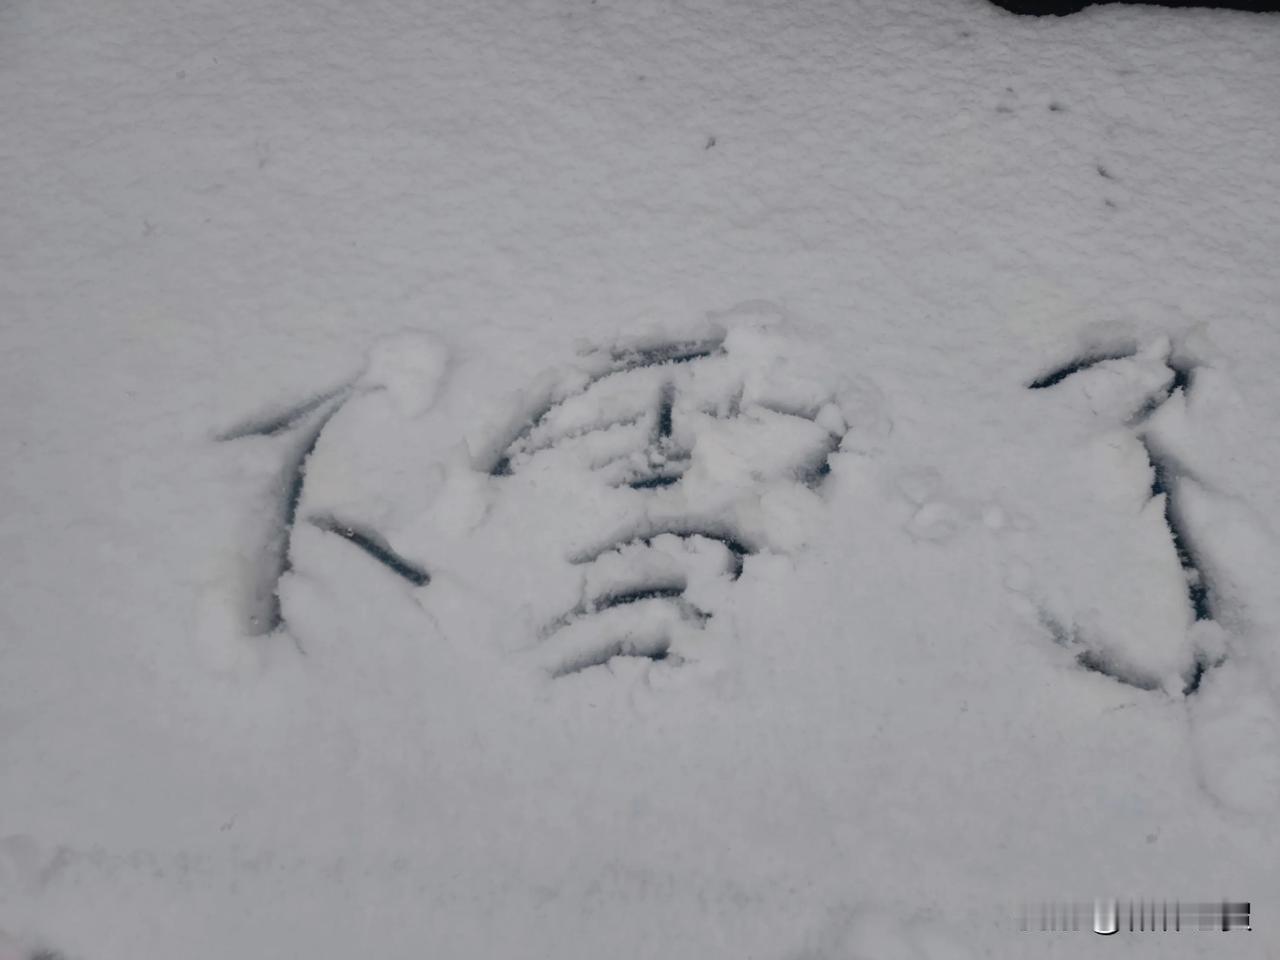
[581, 478]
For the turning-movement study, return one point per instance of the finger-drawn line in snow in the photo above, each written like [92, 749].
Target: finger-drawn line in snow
[376, 547]
[632, 419]
[273, 424]
[266, 615]
[635, 420]
[659, 458]
[1165, 473]
[621, 624]
[620, 360]
[274, 558]
[646, 533]
[641, 600]
[639, 580]
[1181, 381]
[1097, 661]
[1079, 364]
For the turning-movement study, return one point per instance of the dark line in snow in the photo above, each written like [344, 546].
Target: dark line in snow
[657, 649]
[1100, 663]
[1163, 474]
[671, 589]
[266, 615]
[736, 548]
[502, 465]
[663, 423]
[678, 352]
[1183, 374]
[274, 424]
[376, 547]
[629, 645]
[622, 360]
[1084, 362]
[819, 467]
[280, 539]
[1095, 660]
[783, 410]
[654, 482]
[610, 600]
[1195, 676]
[1181, 380]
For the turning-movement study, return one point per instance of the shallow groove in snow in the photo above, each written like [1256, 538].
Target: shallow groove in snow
[1095, 660]
[276, 557]
[639, 623]
[621, 360]
[376, 547]
[645, 535]
[1165, 472]
[277, 423]
[655, 649]
[632, 358]
[1076, 365]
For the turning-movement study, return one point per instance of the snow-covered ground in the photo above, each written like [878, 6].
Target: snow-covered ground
[583, 478]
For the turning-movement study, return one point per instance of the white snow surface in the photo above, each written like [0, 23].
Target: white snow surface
[562, 479]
